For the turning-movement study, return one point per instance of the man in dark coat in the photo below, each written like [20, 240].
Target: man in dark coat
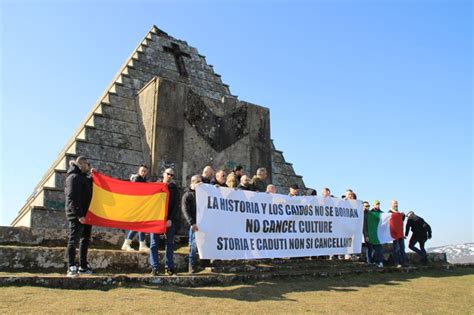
[421, 232]
[171, 223]
[258, 181]
[78, 196]
[245, 183]
[220, 179]
[368, 247]
[188, 208]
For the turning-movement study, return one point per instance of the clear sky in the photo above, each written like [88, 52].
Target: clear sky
[370, 95]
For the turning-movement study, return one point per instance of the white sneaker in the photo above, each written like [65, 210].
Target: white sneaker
[144, 248]
[380, 265]
[72, 272]
[127, 246]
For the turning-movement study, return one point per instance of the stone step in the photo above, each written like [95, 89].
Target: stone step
[129, 82]
[41, 259]
[144, 75]
[277, 157]
[127, 115]
[123, 91]
[109, 168]
[107, 152]
[167, 70]
[103, 238]
[114, 125]
[281, 180]
[314, 262]
[101, 281]
[52, 259]
[57, 179]
[106, 137]
[120, 102]
[283, 168]
[49, 197]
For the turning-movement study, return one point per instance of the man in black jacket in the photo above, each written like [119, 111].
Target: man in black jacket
[377, 248]
[78, 196]
[245, 183]
[421, 232]
[171, 223]
[188, 207]
[368, 247]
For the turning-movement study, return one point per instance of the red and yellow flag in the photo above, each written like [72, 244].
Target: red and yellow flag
[127, 205]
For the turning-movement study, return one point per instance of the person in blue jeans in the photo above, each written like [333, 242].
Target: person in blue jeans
[188, 207]
[399, 255]
[377, 248]
[127, 244]
[171, 223]
[140, 177]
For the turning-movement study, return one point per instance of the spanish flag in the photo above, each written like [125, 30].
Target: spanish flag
[127, 205]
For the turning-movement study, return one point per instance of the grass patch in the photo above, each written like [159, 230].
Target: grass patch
[450, 291]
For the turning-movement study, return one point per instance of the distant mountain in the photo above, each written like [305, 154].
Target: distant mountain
[460, 253]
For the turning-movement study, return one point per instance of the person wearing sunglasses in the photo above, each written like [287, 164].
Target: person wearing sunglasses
[78, 196]
[171, 226]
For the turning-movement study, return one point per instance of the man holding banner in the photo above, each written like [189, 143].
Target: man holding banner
[372, 224]
[399, 255]
[274, 226]
[128, 205]
[188, 207]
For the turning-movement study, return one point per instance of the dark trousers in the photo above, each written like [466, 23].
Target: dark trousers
[131, 235]
[82, 232]
[398, 252]
[378, 253]
[421, 251]
[369, 252]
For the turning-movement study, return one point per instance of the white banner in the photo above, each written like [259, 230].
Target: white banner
[237, 224]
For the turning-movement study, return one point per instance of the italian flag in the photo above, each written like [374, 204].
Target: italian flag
[384, 227]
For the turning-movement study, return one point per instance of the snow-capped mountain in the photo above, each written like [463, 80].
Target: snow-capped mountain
[460, 253]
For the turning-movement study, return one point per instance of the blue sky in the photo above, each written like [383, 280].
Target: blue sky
[370, 95]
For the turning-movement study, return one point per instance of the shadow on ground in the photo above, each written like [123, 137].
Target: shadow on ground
[276, 290]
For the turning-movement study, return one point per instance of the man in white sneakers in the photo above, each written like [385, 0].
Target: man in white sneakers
[140, 177]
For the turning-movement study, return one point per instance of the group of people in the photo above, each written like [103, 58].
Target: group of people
[78, 195]
[421, 232]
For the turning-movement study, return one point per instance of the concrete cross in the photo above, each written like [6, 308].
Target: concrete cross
[178, 54]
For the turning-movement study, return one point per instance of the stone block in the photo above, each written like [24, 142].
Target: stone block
[108, 153]
[119, 140]
[52, 198]
[52, 259]
[277, 157]
[120, 114]
[120, 102]
[123, 91]
[56, 180]
[116, 126]
[283, 168]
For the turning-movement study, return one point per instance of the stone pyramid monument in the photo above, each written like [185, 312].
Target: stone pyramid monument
[166, 107]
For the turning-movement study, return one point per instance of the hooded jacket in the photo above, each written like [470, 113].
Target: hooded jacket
[78, 192]
[420, 229]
